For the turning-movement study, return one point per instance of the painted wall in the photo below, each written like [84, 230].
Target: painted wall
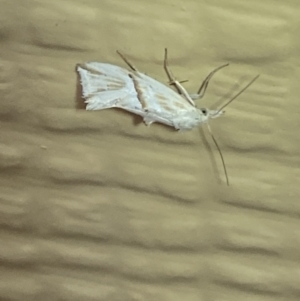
[97, 206]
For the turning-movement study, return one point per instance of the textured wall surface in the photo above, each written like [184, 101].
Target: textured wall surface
[97, 206]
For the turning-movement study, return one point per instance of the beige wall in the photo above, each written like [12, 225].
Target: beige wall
[97, 206]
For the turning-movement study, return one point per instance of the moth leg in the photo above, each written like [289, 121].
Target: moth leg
[148, 120]
[203, 87]
[152, 117]
[126, 61]
[181, 90]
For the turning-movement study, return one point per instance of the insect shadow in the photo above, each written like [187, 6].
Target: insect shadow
[230, 93]
[209, 149]
[79, 100]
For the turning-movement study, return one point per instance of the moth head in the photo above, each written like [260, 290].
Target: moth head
[211, 113]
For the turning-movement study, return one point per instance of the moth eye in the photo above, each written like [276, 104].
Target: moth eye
[204, 111]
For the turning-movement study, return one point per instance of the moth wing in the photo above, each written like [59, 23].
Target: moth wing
[165, 105]
[107, 86]
[157, 97]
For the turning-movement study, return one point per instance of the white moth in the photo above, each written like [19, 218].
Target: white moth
[107, 86]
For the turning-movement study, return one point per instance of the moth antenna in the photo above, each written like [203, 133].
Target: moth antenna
[180, 89]
[238, 94]
[204, 85]
[172, 80]
[169, 73]
[182, 81]
[219, 150]
[126, 61]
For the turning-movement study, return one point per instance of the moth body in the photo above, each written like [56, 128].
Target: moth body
[107, 86]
